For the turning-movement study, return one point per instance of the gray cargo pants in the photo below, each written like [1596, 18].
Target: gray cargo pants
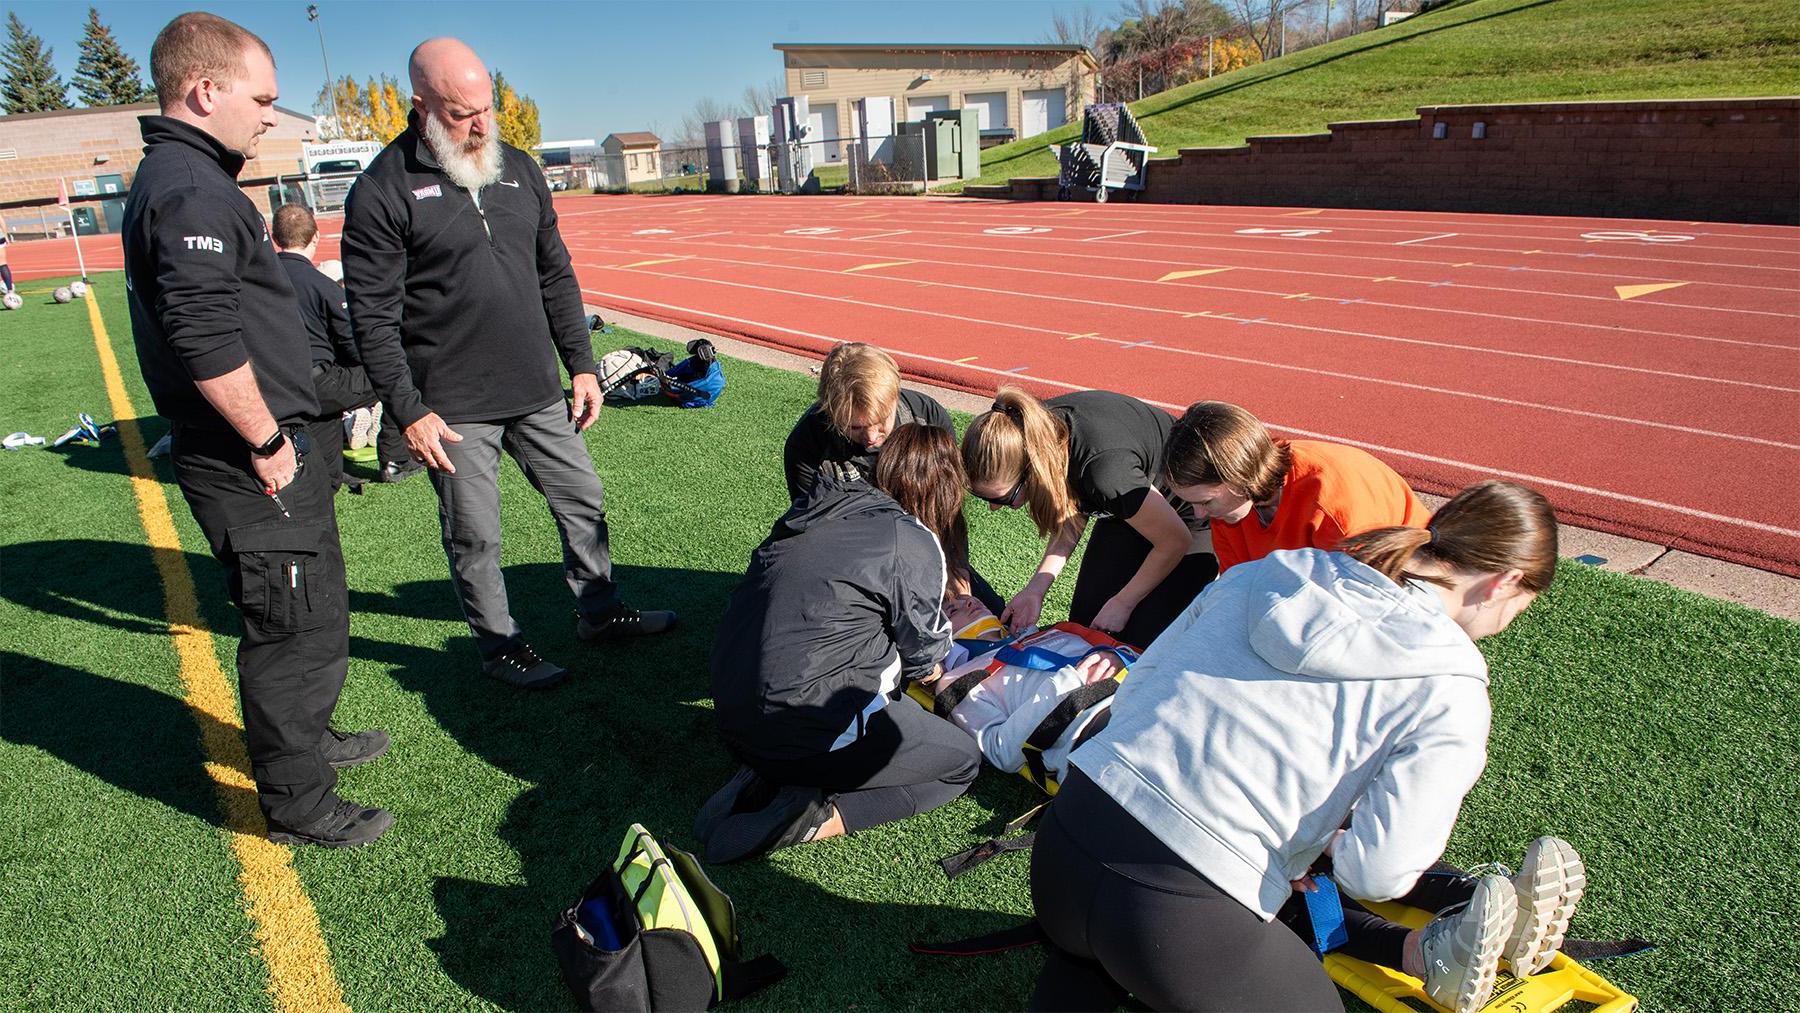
[555, 460]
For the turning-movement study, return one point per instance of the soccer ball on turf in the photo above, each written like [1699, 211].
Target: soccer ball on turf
[12, 300]
[78, 289]
[62, 294]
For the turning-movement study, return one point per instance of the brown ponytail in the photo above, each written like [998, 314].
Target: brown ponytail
[1018, 435]
[1215, 443]
[1490, 527]
[919, 468]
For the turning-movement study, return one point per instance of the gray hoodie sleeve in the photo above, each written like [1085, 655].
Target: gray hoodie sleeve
[1403, 819]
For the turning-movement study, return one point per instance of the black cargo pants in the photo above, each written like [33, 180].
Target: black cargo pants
[286, 576]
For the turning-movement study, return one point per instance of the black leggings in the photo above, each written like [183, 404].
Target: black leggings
[1372, 938]
[906, 763]
[1126, 917]
[6, 277]
[1114, 552]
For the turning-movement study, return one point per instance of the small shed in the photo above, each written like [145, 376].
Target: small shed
[632, 157]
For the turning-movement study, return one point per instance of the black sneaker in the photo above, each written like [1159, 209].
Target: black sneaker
[347, 825]
[621, 620]
[794, 816]
[350, 749]
[400, 471]
[522, 667]
[747, 791]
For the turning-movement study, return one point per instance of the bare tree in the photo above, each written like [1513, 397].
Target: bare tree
[1262, 20]
[1082, 28]
[758, 99]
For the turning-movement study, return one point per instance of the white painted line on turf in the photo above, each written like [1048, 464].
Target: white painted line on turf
[1479, 469]
[1265, 364]
[1427, 239]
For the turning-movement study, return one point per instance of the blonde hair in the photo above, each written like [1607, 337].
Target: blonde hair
[1019, 437]
[1215, 443]
[1490, 527]
[856, 381]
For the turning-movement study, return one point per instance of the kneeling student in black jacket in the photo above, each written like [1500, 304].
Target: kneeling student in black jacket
[842, 602]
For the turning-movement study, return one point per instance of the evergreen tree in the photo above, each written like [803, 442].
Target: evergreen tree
[31, 84]
[106, 75]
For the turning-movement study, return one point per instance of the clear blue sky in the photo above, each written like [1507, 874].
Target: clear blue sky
[593, 68]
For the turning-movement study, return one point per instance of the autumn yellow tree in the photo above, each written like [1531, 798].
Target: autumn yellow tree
[387, 110]
[516, 115]
[347, 104]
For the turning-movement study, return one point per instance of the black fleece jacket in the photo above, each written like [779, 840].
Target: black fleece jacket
[205, 289]
[460, 308]
[842, 601]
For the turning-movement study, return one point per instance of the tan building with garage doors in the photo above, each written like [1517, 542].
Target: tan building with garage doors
[1017, 90]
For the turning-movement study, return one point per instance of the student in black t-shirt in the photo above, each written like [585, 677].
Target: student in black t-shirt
[1091, 454]
[860, 404]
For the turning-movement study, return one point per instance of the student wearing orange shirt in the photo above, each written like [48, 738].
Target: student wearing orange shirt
[1264, 494]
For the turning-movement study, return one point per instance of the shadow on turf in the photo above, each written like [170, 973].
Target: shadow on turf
[136, 738]
[630, 739]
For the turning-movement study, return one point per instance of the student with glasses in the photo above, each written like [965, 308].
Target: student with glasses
[1091, 455]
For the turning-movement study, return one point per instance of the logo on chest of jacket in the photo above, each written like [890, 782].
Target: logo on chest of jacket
[510, 182]
[434, 190]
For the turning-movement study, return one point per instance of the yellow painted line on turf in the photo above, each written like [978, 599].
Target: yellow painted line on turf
[286, 926]
[647, 263]
[1177, 275]
[1633, 291]
[871, 267]
[965, 361]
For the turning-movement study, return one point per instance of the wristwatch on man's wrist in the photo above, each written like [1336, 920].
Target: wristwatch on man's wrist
[271, 445]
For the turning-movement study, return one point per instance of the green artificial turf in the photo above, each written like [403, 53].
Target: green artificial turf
[1652, 727]
[1476, 51]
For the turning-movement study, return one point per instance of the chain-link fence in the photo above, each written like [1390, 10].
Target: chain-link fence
[887, 165]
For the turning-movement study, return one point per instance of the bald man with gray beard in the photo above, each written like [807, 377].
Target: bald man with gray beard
[462, 301]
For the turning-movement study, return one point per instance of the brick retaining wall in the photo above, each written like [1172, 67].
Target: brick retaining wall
[1712, 159]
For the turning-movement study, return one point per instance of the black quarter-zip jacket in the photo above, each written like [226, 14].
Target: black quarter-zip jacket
[459, 307]
[205, 290]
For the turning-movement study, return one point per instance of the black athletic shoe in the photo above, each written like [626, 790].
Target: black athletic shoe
[794, 816]
[350, 749]
[621, 620]
[400, 471]
[347, 825]
[747, 791]
[522, 667]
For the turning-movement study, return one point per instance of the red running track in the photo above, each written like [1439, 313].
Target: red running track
[1644, 374]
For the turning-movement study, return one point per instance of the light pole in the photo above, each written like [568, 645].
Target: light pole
[337, 121]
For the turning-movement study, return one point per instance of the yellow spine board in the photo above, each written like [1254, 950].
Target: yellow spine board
[1391, 991]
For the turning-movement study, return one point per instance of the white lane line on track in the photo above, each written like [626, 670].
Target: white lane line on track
[1660, 262]
[1511, 318]
[1116, 235]
[1427, 239]
[1479, 469]
[1261, 363]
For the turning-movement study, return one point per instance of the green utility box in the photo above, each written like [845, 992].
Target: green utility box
[953, 143]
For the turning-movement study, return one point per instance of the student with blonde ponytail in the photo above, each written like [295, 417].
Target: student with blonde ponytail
[1300, 690]
[1090, 454]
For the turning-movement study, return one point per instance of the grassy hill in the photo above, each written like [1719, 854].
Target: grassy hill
[1474, 51]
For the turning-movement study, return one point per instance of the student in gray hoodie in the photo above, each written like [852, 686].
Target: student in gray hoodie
[1296, 690]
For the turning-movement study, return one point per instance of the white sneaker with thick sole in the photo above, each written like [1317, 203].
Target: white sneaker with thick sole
[1462, 947]
[1549, 883]
[364, 423]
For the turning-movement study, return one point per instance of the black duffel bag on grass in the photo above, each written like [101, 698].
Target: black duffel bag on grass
[653, 934]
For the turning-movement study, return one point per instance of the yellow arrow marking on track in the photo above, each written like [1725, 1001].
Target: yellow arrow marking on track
[1390, 277]
[647, 263]
[1633, 291]
[1075, 337]
[1469, 263]
[871, 267]
[960, 362]
[1297, 214]
[1177, 275]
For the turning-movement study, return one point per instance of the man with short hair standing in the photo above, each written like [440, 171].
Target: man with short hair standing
[224, 354]
[338, 378]
[462, 298]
